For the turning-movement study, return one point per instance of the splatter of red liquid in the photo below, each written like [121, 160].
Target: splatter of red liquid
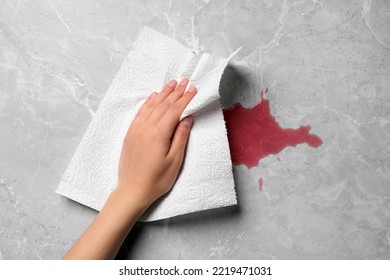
[254, 133]
[261, 183]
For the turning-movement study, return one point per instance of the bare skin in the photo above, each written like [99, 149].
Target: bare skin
[152, 154]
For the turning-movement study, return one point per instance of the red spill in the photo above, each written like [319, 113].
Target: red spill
[261, 183]
[254, 133]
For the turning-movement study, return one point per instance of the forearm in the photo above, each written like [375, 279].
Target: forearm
[107, 232]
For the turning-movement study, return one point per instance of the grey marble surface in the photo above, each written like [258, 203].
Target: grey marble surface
[325, 63]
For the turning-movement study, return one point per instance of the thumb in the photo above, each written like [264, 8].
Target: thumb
[180, 137]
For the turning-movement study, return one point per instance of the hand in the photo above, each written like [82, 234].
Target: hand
[154, 146]
[152, 154]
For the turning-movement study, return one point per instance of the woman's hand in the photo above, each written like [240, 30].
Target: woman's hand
[154, 146]
[151, 157]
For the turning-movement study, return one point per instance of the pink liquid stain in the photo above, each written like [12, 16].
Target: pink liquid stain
[261, 183]
[254, 134]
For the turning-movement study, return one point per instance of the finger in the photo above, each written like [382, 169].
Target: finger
[154, 100]
[172, 116]
[167, 90]
[162, 108]
[180, 139]
[146, 108]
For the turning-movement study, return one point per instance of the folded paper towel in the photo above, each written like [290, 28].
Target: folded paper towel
[206, 180]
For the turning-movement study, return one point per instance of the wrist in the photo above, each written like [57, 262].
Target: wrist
[133, 196]
[127, 202]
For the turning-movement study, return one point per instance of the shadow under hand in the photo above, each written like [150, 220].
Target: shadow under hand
[203, 219]
[239, 84]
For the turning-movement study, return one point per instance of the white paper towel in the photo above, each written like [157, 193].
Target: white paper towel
[206, 180]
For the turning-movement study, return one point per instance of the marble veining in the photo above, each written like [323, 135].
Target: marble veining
[325, 63]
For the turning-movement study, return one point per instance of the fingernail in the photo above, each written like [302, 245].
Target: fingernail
[188, 120]
[184, 81]
[172, 83]
[152, 95]
[192, 89]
